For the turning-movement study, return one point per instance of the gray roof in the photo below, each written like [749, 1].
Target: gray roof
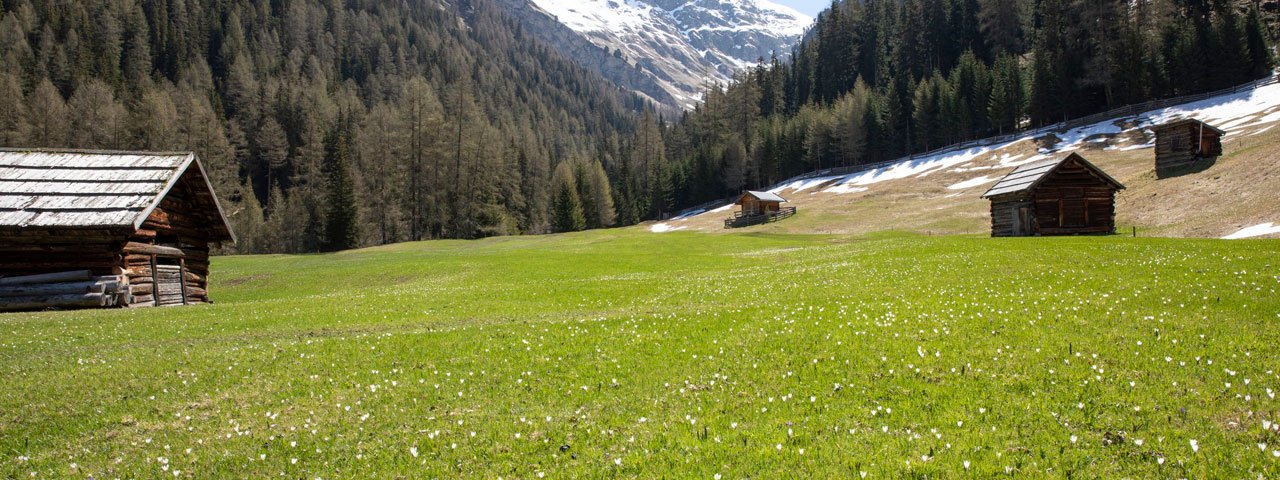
[1187, 121]
[89, 189]
[764, 196]
[1027, 176]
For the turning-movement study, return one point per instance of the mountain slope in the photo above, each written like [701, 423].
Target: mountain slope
[665, 49]
[940, 194]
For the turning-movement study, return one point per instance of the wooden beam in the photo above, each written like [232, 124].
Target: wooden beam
[52, 301]
[148, 249]
[71, 276]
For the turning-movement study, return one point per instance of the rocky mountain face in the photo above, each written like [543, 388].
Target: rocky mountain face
[667, 50]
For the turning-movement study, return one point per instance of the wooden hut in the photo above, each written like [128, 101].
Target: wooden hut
[759, 207]
[1186, 145]
[93, 228]
[1065, 196]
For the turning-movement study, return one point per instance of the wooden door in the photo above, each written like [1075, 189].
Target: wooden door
[168, 278]
[1022, 221]
[1073, 208]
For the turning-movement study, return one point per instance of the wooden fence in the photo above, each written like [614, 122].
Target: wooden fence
[740, 220]
[1121, 112]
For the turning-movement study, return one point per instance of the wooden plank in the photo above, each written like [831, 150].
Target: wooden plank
[53, 301]
[69, 276]
[64, 288]
[148, 249]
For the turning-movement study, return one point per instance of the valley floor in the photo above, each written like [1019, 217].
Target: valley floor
[628, 354]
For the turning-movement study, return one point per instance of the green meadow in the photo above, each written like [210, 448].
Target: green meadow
[629, 354]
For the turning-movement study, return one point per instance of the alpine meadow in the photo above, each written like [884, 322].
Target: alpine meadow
[709, 239]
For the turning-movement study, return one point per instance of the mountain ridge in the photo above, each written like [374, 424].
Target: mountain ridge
[665, 50]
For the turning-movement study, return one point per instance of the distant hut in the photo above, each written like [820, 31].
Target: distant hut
[1186, 145]
[1066, 196]
[759, 207]
[95, 229]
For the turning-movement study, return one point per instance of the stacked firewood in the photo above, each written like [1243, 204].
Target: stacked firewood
[74, 289]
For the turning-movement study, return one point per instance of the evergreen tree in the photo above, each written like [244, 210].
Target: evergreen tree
[1007, 99]
[567, 207]
[1260, 57]
[341, 228]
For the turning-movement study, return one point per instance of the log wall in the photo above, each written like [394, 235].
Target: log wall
[1072, 200]
[176, 229]
[1181, 146]
[1004, 215]
[173, 240]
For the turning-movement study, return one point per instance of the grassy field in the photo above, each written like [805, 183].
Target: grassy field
[680, 355]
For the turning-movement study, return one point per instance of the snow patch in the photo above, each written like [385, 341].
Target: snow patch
[664, 227]
[1254, 231]
[972, 182]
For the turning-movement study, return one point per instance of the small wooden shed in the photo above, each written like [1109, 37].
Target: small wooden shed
[759, 207]
[1064, 196]
[97, 228]
[1186, 145]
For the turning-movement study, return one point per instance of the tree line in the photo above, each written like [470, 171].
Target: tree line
[875, 80]
[330, 124]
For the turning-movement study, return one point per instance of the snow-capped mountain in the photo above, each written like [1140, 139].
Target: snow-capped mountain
[665, 49]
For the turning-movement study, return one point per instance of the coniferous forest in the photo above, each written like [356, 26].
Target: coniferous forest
[876, 80]
[326, 124]
[331, 124]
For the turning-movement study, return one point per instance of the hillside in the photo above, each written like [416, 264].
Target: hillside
[940, 194]
[431, 103]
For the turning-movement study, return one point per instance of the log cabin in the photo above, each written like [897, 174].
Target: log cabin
[1064, 196]
[1185, 146]
[101, 228]
[759, 207]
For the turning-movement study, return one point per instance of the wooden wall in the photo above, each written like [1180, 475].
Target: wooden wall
[176, 228]
[177, 233]
[1070, 201]
[1180, 146]
[1004, 219]
[30, 251]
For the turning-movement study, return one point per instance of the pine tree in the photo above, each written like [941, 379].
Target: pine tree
[13, 112]
[1231, 62]
[567, 207]
[586, 194]
[1260, 57]
[271, 148]
[602, 196]
[47, 113]
[341, 228]
[1007, 99]
[100, 120]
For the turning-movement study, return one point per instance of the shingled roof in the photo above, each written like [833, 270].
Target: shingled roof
[763, 196]
[94, 189]
[1028, 176]
[1187, 121]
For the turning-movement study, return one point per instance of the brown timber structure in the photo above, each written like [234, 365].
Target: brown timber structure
[1186, 145]
[757, 208]
[1065, 196]
[97, 228]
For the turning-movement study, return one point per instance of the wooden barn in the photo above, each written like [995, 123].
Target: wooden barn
[96, 229]
[1186, 145]
[1066, 196]
[759, 207]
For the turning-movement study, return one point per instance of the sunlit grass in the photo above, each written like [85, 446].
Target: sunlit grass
[631, 354]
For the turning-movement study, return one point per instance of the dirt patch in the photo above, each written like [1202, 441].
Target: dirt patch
[239, 280]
